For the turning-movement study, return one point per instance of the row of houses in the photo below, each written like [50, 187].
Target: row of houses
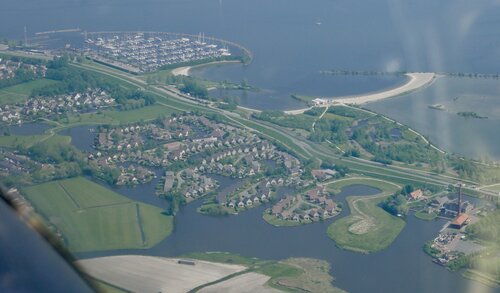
[37, 107]
[248, 197]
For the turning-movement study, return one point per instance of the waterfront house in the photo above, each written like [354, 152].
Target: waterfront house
[460, 221]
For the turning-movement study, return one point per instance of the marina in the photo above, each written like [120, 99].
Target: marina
[139, 52]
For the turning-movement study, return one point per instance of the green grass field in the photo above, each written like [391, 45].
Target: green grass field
[27, 141]
[368, 228]
[20, 92]
[384, 186]
[117, 117]
[94, 218]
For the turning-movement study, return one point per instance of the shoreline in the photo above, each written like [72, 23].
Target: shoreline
[417, 81]
[184, 71]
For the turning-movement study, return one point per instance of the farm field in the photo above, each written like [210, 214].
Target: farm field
[93, 218]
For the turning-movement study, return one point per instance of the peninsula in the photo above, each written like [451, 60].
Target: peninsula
[416, 81]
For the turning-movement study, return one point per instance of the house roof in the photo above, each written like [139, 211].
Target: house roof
[416, 194]
[460, 220]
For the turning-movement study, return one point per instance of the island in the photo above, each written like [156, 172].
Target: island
[471, 115]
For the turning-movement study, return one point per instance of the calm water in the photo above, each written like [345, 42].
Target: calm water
[467, 136]
[403, 267]
[277, 95]
[81, 136]
[290, 49]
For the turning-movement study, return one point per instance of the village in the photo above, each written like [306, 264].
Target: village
[303, 208]
[192, 149]
[139, 52]
[10, 69]
[43, 107]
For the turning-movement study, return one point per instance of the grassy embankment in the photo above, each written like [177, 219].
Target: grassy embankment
[93, 218]
[290, 275]
[368, 228]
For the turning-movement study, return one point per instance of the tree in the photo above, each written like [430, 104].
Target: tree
[396, 204]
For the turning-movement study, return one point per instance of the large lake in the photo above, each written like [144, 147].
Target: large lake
[292, 41]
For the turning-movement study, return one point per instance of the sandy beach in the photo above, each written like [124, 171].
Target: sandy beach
[185, 69]
[181, 71]
[417, 81]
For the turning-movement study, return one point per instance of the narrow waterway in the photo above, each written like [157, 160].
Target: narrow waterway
[403, 267]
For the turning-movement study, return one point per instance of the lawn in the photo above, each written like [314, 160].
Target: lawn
[20, 92]
[93, 218]
[368, 228]
[273, 220]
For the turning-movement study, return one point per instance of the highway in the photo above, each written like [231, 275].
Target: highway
[310, 149]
